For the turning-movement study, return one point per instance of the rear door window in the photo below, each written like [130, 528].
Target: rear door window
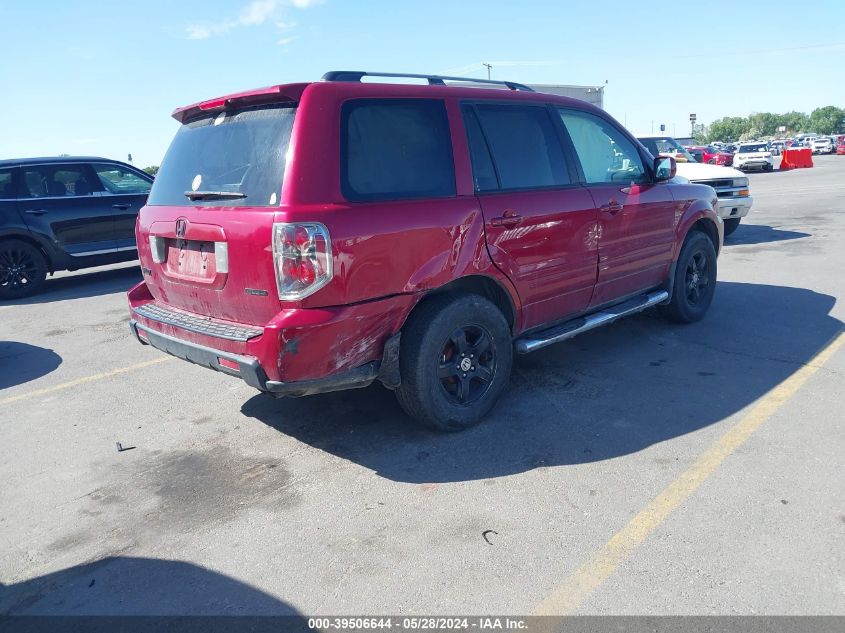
[227, 158]
[396, 149]
[483, 171]
[526, 148]
[59, 181]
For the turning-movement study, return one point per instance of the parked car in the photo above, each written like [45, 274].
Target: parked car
[731, 186]
[711, 155]
[777, 147]
[753, 156]
[805, 140]
[321, 236]
[822, 145]
[697, 153]
[65, 213]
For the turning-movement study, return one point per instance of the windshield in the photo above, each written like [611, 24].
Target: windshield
[231, 158]
[756, 147]
[668, 147]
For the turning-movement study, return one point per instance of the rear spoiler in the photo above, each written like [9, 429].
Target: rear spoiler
[272, 94]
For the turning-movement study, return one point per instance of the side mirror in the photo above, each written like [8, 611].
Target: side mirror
[665, 168]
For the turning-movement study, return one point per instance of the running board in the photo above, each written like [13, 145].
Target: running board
[567, 330]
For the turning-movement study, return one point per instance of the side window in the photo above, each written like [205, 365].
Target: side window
[525, 146]
[483, 172]
[605, 153]
[57, 181]
[118, 179]
[7, 191]
[396, 149]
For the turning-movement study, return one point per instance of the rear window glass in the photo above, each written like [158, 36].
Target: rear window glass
[396, 149]
[231, 158]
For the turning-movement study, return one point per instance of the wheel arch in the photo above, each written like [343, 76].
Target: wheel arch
[482, 285]
[30, 239]
[708, 227]
[700, 223]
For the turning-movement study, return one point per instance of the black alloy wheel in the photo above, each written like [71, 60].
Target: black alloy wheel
[467, 364]
[22, 269]
[697, 278]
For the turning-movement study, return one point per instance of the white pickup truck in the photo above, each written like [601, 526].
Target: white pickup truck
[730, 184]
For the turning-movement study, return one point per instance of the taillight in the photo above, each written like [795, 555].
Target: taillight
[302, 259]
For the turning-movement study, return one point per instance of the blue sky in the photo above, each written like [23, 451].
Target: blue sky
[101, 77]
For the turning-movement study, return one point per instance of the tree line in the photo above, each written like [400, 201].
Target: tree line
[826, 120]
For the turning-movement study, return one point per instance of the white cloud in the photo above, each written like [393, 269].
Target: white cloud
[255, 13]
[285, 41]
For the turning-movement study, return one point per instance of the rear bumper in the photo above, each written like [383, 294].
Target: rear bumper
[250, 370]
[299, 351]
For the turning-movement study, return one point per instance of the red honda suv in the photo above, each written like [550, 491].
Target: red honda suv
[321, 236]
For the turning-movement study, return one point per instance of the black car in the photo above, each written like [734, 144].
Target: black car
[65, 213]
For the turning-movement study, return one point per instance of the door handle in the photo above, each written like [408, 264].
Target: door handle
[613, 207]
[508, 219]
[36, 211]
[121, 205]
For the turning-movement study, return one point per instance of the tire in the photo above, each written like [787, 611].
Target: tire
[690, 303]
[731, 225]
[768, 167]
[23, 269]
[455, 361]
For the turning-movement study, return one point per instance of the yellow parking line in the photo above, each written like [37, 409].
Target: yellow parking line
[584, 581]
[82, 381]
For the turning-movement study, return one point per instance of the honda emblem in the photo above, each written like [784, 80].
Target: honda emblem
[181, 227]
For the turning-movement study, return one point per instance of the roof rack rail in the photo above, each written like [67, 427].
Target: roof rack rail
[433, 80]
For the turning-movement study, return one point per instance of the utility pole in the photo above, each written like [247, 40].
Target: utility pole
[489, 68]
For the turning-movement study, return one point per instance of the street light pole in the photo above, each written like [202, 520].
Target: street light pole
[489, 68]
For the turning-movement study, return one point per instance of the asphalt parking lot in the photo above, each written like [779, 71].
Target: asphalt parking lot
[645, 468]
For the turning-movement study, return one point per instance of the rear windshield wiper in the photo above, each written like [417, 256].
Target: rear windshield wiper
[214, 195]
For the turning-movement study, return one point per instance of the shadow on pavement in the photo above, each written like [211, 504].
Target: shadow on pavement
[608, 393]
[124, 586]
[760, 234]
[83, 284]
[21, 362]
